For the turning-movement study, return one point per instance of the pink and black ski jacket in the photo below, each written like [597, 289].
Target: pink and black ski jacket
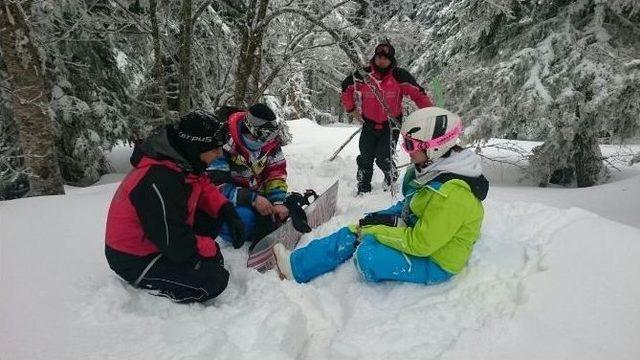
[393, 86]
[154, 208]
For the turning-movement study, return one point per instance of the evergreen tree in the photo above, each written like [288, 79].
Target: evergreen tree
[559, 71]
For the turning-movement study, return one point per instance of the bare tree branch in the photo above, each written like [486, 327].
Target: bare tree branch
[134, 17]
[200, 10]
[284, 10]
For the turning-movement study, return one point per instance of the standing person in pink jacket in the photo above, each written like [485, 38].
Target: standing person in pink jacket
[392, 84]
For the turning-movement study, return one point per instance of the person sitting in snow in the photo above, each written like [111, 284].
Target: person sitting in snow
[376, 142]
[253, 171]
[428, 236]
[162, 217]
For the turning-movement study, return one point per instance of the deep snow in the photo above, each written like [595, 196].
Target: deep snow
[543, 283]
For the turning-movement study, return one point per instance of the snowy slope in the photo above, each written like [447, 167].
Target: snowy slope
[543, 283]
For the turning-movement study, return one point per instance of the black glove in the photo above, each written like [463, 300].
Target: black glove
[299, 219]
[379, 219]
[294, 203]
[264, 225]
[234, 223]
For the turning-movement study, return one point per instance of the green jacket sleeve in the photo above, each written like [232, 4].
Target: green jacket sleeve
[438, 224]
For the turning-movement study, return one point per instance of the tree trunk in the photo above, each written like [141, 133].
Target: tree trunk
[13, 179]
[186, 27]
[254, 84]
[244, 59]
[587, 157]
[159, 66]
[254, 79]
[30, 102]
[249, 58]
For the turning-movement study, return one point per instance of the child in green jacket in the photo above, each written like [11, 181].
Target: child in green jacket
[425, 238]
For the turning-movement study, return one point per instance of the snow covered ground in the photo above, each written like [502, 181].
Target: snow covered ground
[543, 283]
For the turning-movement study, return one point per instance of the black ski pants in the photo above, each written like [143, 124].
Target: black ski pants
[375, 146]
[197, 279]
[194, 280]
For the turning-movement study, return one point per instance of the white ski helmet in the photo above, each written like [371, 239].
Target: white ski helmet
[436, 130]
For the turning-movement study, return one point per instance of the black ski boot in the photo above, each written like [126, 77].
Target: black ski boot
[364, 180]
[364, 188]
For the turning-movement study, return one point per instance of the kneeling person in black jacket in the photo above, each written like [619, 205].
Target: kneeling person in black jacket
[162, 217]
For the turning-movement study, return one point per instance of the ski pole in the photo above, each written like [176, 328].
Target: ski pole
[335, 154]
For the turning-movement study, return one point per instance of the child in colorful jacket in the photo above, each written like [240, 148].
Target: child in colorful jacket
[425, 238]
[252, 174]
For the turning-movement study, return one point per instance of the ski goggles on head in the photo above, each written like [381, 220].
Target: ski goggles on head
[262, 129]
[411, 145]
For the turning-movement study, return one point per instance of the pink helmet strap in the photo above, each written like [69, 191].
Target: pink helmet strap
[440, 141]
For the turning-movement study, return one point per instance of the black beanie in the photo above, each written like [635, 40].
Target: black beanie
[262, 111]
[385, 49]
[197, 131]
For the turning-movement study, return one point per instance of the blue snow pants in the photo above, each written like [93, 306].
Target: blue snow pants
[375, 261]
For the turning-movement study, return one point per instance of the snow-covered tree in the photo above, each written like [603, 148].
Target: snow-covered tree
[90, 94]
[564, 72]
[559, 71]
[29, 102]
